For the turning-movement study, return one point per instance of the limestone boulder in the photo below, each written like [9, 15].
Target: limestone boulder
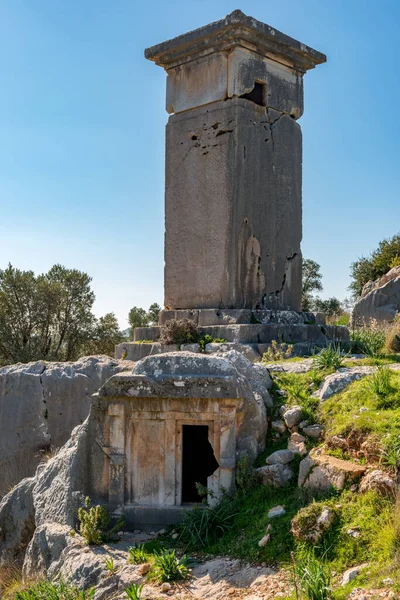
[250, 351]
[378, 481]
[276, 475]
[52, 497]
[380, 300]
[320, 472]
[292, 416]
[312, 522]
[340, 380]
[17, 521]
[40, 404]
[282, 457]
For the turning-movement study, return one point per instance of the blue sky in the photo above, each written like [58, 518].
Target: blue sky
[82, 134]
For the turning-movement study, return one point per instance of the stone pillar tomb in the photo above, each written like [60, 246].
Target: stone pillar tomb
[233, 205]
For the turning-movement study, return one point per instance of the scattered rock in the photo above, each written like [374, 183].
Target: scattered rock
[175, 536]
[313, 431]
[276, 511]
[278, 426]
[143, 569]
[354, 532]
[312, 522]
[379, 481]
[282, 457]
[388, 581]
[264, 541]
[275, 475]
[166, 587]
[190, 348]
[293, 416]
[352, 573]
[296, 444]
[342, 378]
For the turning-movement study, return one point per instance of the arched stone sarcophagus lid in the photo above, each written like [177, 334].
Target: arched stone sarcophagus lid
[178, 375]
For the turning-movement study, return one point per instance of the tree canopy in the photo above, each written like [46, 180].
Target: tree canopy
[139, 317]
[385, 257]
[50, 317]
[312, 282]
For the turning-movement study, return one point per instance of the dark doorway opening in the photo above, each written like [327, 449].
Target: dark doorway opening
[198, 460]
[256, 95]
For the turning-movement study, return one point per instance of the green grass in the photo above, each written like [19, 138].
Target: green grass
[341, 413]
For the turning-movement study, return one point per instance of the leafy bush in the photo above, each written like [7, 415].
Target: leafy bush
[329, 358]
[134, 591]
[201, 526]
[137, 555]
[368, 340]
[311, 576]
[179, 332]
[94, 524]
[59, 590]
[168, 567]
[246, 477]
[277, 352]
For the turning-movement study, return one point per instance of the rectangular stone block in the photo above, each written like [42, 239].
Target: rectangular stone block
[233, 208]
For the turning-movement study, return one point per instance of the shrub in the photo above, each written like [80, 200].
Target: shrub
[392, 338]
[246, 477]
[94, 522]
[184, 331]
[329, 358]
[58, 590]
[368, 340]
[312, 578]
[380, 383]
[137, 555]
[134, 591]
[168, 567]
[201, 526]
[110, 566]
[277, 351]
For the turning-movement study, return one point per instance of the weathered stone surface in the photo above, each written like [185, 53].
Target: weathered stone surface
[313, 431]
[224, 141]
[135, 351]
[302, 366]
[17, 521]
[321, 472]
[206, 317]
[48, 542]
[40, 404]
[293, 416]
[342, 378]
[250, 351]
[282, 457]
[296, 444]
[248, 381]
[380, 300]
[379, 481]
[190, 348]
[275, 475]
[278, 426]
[205, 158]
[276, 511]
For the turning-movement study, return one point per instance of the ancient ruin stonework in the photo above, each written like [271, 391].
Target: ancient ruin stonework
[233, 210]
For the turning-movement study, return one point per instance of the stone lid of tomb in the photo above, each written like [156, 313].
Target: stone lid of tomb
[178, 375]
[236, 29]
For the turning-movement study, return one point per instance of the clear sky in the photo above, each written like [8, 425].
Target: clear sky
[82, 134]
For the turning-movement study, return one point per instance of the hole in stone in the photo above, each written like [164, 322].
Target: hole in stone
[198, 461]
[193, 137]
[256, 95]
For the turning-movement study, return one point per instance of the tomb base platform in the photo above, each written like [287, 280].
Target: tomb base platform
[248, 331]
